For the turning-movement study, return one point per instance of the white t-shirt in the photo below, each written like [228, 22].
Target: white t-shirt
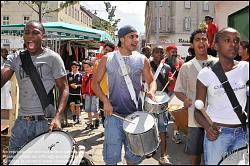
[219, 107]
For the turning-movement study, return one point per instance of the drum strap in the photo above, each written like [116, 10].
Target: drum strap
[196, 64]
[128, 81]
[30, 69]
[218, 70]
[158, 74]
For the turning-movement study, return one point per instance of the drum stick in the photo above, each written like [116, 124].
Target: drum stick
[168, 82]
[123, 118]
[200, 106]
[120, 117]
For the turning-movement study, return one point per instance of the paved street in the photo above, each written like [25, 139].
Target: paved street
[93, 143]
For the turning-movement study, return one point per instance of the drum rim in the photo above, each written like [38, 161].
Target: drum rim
[139, 112]
[233, 151]
[56, 130]
[147, 99]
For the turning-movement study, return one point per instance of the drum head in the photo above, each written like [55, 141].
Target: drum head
[175, 104]
[142, 122]
[161, 97]
[237, 157]
[47, 149]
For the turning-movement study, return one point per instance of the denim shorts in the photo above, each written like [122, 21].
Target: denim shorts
[195, 141]
[91, 103]
[229, 139]
[114, 138]
[24, 131]
[162, 120]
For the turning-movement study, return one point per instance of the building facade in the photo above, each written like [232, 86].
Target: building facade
[176, 20]
[233, 14]
[16, 12]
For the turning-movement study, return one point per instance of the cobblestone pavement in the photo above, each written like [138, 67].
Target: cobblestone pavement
[93, 141]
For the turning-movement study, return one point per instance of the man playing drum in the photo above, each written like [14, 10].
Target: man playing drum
[120, 101]
[158, 56]
[185, 90]
[31, 120]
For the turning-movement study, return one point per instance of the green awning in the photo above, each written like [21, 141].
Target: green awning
[61, 30]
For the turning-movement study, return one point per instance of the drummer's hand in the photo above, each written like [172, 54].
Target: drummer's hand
[187, 103]
[151, 95]
[213, 132]
[108, 108]
[55, 123]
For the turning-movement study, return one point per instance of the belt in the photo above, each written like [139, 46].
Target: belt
[32, 118]
[228, 125]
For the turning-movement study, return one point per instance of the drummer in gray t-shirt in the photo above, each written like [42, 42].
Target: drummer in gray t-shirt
[31, 121]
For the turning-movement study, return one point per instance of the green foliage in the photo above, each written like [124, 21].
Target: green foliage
[42, 8]
[111, 25]
[202, 25]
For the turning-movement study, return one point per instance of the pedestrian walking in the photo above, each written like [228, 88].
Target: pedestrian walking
[175, 63]
[211, 29]
[227, 131]
[162, 118]
[185, 90]
[75, 98]
[120, 101]
[108, 47]
[31, 120]
[89, 96]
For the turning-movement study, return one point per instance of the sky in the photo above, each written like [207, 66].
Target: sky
[130, 12]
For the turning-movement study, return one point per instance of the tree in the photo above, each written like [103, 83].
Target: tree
[41, 7]
[111, 25]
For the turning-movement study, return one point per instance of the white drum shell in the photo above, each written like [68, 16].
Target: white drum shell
[239, 157]
[56, 148]
[143, 143]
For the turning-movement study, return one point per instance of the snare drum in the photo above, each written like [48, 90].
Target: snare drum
[179, 114]
[56, 148]
[159, 106]
[142, 134]
[237, 157]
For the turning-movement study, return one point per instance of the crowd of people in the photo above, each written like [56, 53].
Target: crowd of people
[111, 84]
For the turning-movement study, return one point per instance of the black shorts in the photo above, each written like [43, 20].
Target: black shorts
[75, 99]
[195, 139]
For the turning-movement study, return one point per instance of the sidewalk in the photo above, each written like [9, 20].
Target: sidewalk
[93, 143]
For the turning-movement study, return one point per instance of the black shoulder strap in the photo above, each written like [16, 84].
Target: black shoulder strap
[160, 77]
[31, 70]
[218, 70]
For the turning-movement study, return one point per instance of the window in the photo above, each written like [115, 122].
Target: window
[72, 11]
[161, 23]
[159, 3]
[187, 23]
[25, 19]
[69, 11]
[187, 4]
[168, 3]
[205, 6]
[6, 20]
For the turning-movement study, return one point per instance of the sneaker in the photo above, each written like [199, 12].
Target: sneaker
[176, 138]
[88, 126]
[74, 118]
[164, 161]
[96, 123]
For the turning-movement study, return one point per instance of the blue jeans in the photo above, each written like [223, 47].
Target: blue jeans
[114, 138]
[91, 103]
[162, 120]
[229, 139]
[24, 131]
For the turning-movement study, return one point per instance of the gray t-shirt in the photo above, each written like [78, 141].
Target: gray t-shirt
[49, 65]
